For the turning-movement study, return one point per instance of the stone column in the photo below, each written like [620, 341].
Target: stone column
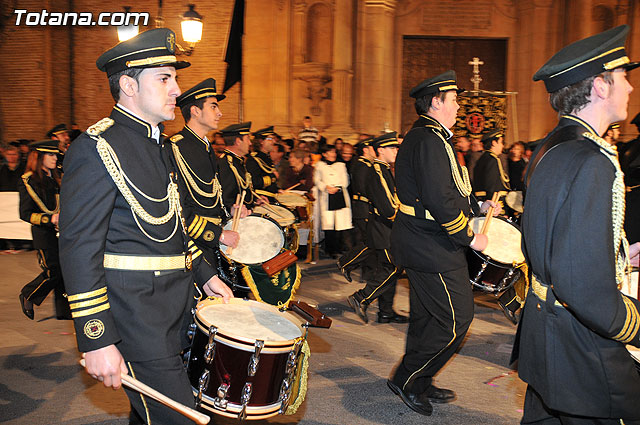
[377, 67]
[299, 9]
[342, 72]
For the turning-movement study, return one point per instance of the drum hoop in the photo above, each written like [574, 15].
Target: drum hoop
[284, 240]
[292, 194]
[230, 336]
[490, 260]
[292, 218]
[232, 410]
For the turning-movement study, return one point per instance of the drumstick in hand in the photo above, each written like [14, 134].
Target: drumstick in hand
[135, 385]
[485, 225]
[286, 190]
[236, 219]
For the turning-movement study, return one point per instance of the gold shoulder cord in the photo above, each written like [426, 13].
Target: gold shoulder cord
[463, 184]
[243, 184]
[620, 243]
[37, 200]
[112, 164]
[188, 173]
[393, 199]
[503, 175]
[263, 165]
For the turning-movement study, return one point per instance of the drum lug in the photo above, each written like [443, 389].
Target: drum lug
[255, 358]
[244, 399]
[477, 277]
[220, 402]
[203, 383]
[210, 349]
[191, 331]
[290, 372]
[504, 283]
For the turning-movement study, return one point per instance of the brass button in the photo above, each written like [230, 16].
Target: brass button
[539, 307]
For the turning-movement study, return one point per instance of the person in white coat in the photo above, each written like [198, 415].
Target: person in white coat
[331, 181]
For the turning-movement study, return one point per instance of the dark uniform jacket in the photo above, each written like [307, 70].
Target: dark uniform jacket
[263, 178]
[630, 163]
[381, 191]
[38, 202]
[200, 189]
[142, 312]
[360, 179]
[490, 177]
[234, 178]
[425, 171]
[571, 348]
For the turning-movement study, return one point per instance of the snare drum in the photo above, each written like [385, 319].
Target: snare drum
[291, 199]
[261, 239]
[497, 267]
[244, 358]
[281, 215]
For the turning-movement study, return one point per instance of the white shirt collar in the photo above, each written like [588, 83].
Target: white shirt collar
[155, 130]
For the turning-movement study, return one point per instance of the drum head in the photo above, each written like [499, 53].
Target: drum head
[283, 216]
[504, 240]
[261, 239]
[248, 320]
[514, 200]
[291, 199]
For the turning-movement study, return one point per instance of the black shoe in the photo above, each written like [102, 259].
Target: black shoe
[27, 311]
[346, 273]
[511, 315]
[440, 395]
[416, 402]
[392, 318]
[358, 307]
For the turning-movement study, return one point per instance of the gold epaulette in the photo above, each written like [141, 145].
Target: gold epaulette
[365, 161]
[176, 138]
[100, 127]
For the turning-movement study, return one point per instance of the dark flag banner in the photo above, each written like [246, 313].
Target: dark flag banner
[278, 289]
[480, 112]
[233, 57]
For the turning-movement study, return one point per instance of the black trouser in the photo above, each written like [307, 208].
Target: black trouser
[49, 280]
[357, 256]
[509, 300]
[381, 278]
[168, 377]
[441, 313]
[536, 412]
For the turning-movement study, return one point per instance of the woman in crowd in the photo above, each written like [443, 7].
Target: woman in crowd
[40, 206]
[517, 164]
[331, 180]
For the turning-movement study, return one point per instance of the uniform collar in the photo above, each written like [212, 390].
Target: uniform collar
[581, 122]
[227, 151]
[434, 122]
[379, 161]
[204, 141]
[124, 116]
[365, 160]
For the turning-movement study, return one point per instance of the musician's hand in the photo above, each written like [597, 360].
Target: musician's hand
[497, 208]
[634, 250]
[480, 243]
[262, 200]
[54, 219]
[243, 211]
[217, 288]
[229, 238]
[331, 189]
[106, 364]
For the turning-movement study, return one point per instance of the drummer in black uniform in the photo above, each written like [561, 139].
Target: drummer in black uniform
[234, 176]
[429, 239]
[264, 176]
[489, 175]
[576, 322]
[200, 189]
[128, 265]
[383, 205]
[360, 178]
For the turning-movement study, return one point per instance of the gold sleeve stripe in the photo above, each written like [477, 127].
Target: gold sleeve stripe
[266, 180]
[455, 222]
[195, 254]
[193, 223]
[94, 310]
[200, 229]
[87, 295]
[458, 228]
[35, 219]
[630, 328]
[83, 304]
[627, 320]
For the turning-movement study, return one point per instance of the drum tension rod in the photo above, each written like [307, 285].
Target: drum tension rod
[244, 399]
[210, 349]
[255, 358]
[220, 402]
[203, 383]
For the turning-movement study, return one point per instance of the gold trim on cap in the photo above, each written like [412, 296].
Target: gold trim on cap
[616, 63]
[586, 61]
[137, 51]
[441, 82]
[209, 94]
[151, 61]
[450, 87]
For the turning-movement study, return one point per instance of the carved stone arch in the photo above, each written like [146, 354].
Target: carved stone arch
[319, 32]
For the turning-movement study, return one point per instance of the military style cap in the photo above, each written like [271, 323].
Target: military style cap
[206, 88]
[148, 49]
[386, 140]
[46, 146]
[60, 128]
[237, 129]
[264, 132]
[495, 134]
[441, 83]
[364, 143]
[636, 120]
[586, 58]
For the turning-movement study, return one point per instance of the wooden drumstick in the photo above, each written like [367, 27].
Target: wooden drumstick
[485, 225]
[286, 190]
[236, 219]
[144, 389]
[273, 210]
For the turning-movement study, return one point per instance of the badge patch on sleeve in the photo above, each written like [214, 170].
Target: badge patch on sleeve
[208, 236]
[94, 329]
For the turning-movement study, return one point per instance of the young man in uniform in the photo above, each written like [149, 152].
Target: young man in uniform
[200, 189]
[234, 176]
[429, 239]
[259, 164]
[576, 322]
[128, 265]
[382, 274]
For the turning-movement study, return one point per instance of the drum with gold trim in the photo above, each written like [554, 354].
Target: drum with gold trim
[244, 358]
[281, 215]
[291, 199]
